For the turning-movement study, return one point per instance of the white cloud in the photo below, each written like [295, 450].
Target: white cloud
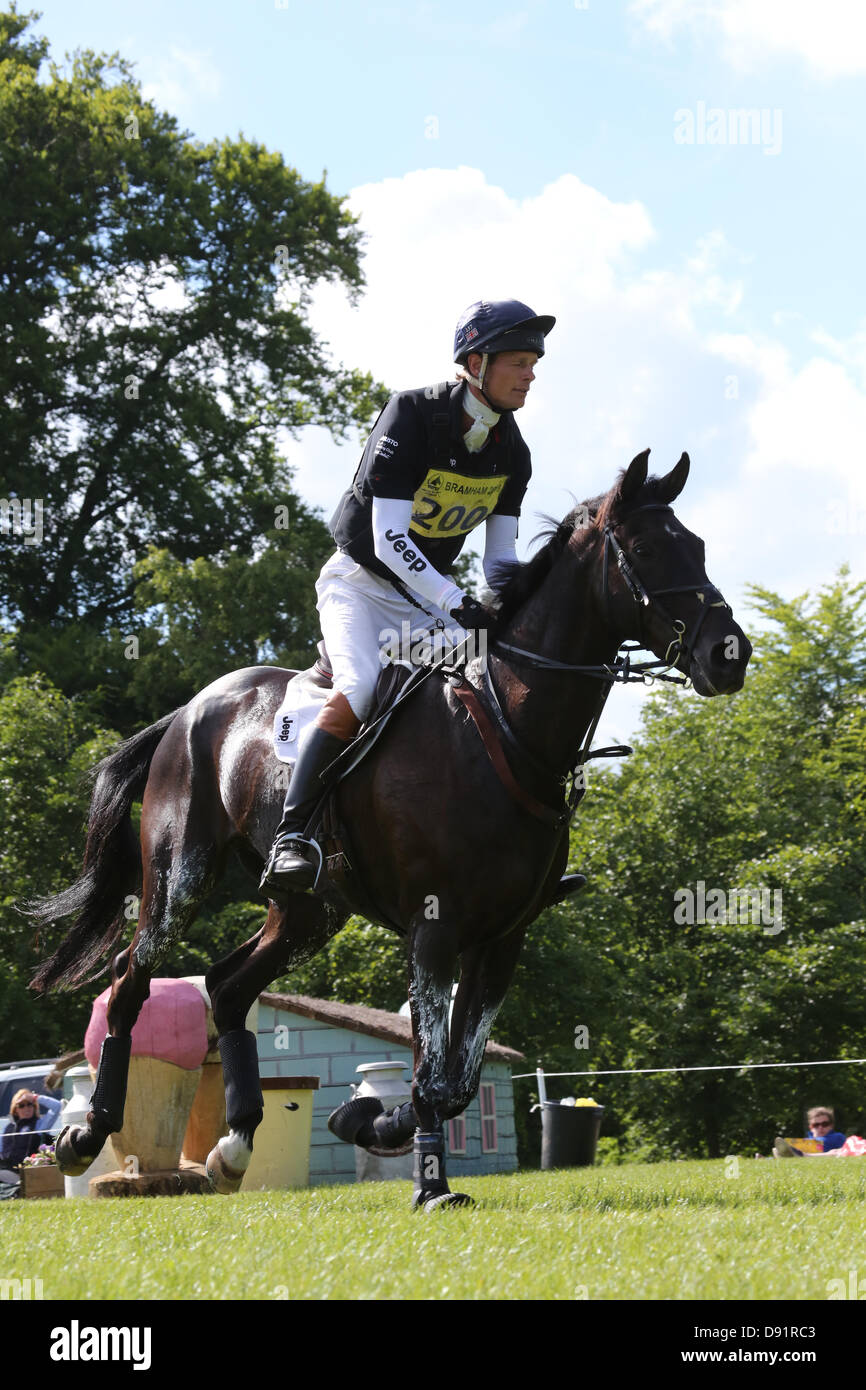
[814, 421]
[185, 76]
[830, 38]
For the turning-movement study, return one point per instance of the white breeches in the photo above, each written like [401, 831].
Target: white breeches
[365, 621]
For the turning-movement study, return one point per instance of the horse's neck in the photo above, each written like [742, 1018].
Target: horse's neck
[551, 711]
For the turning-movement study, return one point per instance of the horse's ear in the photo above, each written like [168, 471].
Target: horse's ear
[672, 484]
[633, 478]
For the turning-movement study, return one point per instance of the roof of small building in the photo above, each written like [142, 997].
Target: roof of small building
[392, 1028]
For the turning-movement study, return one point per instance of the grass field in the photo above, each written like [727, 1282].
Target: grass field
[686, 1230]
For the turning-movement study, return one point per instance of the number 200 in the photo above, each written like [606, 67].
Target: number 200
[455, 519]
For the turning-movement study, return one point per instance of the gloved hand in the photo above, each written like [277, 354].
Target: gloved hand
[472, 616]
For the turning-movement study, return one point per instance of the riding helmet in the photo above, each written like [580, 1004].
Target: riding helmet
[500, 325]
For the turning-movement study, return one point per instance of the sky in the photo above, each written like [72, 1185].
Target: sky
[680, 182]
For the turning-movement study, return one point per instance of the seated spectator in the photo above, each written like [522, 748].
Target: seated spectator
[26, 1130]
[821, 1120]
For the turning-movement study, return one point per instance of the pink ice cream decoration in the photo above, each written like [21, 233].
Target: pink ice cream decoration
[172, 1025]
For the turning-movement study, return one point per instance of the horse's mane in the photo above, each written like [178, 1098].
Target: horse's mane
[527, 576]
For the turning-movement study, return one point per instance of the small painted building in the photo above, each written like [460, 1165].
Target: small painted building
[330, 1040]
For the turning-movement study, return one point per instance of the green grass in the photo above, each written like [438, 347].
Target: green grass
[778, 1230]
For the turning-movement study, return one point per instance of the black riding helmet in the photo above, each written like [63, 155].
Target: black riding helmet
[500, 325]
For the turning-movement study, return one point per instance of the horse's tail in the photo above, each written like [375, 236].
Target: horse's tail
[111, 870]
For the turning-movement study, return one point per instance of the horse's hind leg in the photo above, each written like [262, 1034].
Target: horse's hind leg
[233, 985]
[76, 1148]
[176, 879]
[485, 974]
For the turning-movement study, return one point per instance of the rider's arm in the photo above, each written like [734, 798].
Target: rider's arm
[393, 545]
[500, 553]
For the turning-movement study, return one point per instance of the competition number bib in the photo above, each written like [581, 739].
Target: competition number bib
[448, 504]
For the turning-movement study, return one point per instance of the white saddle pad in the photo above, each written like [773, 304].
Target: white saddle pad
[296, 715]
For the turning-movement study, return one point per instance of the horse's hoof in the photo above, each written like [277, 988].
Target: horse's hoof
[447, 1199]
[70, 1163]
[223, 1179]
[348, 1120]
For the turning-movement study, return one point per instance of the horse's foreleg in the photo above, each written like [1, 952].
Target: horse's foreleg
[485, 974]
[433, 958]
[233, 985]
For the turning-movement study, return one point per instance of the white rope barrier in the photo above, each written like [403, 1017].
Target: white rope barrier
[729, 1066]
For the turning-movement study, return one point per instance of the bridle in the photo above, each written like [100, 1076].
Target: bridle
[621, 669]
[680, 644]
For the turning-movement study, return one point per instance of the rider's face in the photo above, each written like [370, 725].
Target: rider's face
[508, 378]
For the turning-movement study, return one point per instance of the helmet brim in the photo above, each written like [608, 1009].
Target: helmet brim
[526, 336]
[543, 322]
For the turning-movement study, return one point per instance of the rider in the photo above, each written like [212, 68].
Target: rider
[439, 461]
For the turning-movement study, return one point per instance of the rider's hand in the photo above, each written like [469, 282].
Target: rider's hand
[472, 616]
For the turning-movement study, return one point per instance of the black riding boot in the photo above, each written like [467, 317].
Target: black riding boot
[289, 868]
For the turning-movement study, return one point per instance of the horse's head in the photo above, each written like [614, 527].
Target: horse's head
[653, 584]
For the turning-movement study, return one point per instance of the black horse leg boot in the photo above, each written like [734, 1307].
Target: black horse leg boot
[293, 862]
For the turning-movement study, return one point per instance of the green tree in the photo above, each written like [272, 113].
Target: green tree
[746, 793]
[156, 351]
[47, 744]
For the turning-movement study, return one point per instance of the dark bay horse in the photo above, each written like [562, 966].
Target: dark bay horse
[444, 846]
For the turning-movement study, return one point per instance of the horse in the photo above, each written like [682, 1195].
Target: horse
[458, 821]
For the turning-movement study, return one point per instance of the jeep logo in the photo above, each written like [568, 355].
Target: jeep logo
[411, 557]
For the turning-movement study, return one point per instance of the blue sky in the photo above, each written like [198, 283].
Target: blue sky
[525, 94]
[709, 294]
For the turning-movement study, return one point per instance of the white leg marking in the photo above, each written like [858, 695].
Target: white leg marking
[235, 1152]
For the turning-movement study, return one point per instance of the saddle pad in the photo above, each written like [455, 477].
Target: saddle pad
[305, 695]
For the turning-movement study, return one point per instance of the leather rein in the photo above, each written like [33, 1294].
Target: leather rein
[620, 671]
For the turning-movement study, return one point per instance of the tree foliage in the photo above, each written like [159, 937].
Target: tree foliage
[47, 745]
[156, 348]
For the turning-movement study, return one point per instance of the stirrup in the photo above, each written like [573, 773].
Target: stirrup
[286, 879]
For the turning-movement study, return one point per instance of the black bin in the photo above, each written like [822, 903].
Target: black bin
[569, 1134]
